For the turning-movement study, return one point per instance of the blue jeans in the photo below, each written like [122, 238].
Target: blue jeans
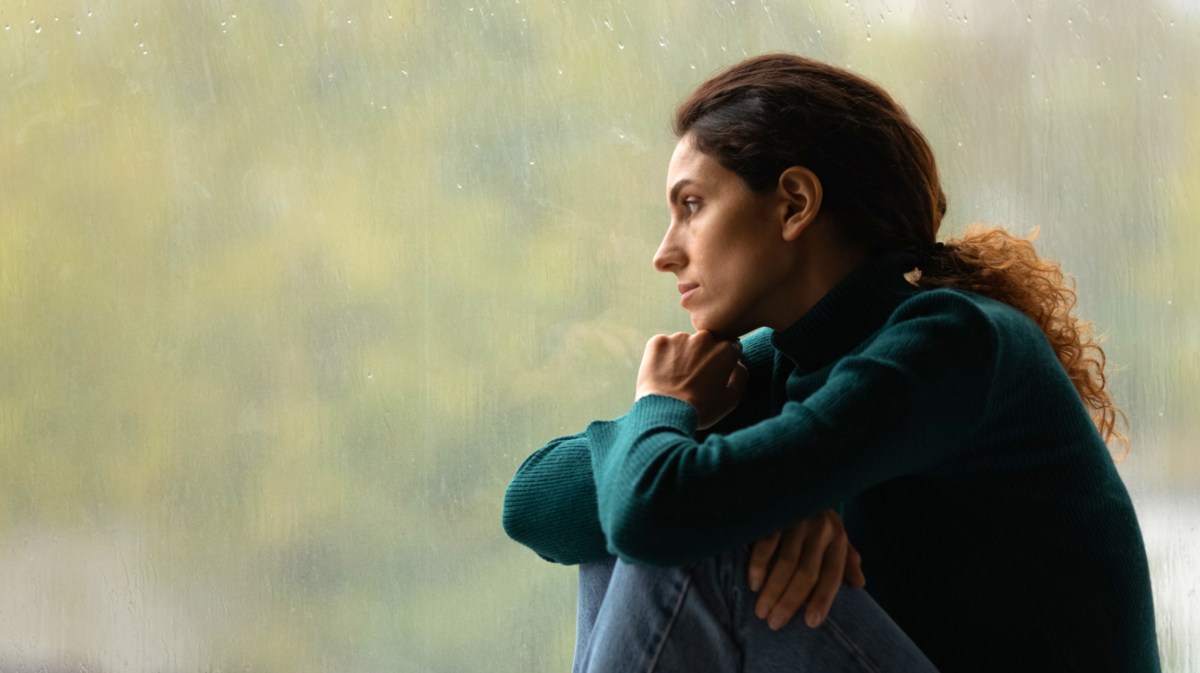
[637, 619]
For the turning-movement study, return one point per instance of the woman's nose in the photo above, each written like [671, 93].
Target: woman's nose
[668, 257]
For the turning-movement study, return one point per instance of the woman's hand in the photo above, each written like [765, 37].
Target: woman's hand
[697, 368]
[808, 563]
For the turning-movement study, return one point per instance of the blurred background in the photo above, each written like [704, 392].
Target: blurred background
[289, 289]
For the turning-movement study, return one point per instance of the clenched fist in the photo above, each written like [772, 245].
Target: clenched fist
[696, 368]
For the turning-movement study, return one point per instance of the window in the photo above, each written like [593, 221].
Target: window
[287, 290]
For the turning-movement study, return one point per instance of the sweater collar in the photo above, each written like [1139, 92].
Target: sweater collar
[849, 313]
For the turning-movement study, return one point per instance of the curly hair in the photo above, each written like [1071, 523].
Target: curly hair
[992, 262]
[880, 183]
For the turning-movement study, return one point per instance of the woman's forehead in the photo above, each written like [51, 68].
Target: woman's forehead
[689, 165]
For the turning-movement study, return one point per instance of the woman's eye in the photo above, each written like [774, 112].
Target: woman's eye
[692, 205]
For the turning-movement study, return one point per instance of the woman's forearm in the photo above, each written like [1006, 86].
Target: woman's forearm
[550, 505]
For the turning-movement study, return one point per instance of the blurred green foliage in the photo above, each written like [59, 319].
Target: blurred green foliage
[287, 290]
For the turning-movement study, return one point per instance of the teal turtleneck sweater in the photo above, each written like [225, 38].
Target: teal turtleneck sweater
[993, 526]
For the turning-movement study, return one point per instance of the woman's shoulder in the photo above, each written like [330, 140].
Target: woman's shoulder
[967, 325]
[973, 310]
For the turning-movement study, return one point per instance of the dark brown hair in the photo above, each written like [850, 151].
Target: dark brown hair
[880, 184]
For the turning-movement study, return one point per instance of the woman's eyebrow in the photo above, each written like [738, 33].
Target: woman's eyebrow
[676, 189]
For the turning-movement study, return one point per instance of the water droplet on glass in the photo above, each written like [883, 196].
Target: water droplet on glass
[78, 31]
[868, 37]
[458, 185]
[662, 41]
[136, 23]
[7, 27]
[608, 24]
[620, 45]
[89, 13]
[370, 375]
[1166, 96]
[1139, 77]
[37, 29]
[1028, 18]
[531, 162]
[960, 143]
[281, 44]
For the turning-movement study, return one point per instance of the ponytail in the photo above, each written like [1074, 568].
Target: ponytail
[994, 263]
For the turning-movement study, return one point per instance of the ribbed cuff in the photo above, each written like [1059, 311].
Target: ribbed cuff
[650, 413]
[659, 410]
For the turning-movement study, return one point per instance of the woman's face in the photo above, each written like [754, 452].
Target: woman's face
[724, 244]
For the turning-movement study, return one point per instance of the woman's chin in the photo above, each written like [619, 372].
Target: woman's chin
[718, 328]
[699, 323]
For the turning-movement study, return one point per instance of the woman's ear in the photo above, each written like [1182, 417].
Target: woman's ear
[801, 192]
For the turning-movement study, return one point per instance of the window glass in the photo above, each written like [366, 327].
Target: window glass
[288, 290]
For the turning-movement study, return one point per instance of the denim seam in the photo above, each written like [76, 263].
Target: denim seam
[850, 646]
[666, 633]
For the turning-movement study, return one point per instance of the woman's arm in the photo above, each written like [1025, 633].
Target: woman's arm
[900, 406]
[550, 505]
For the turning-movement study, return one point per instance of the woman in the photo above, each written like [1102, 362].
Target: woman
[941, 396]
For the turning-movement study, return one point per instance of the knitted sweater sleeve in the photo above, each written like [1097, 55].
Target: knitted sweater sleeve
[550, 504]
[899, 405]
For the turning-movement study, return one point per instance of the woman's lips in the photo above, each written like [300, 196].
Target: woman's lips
[686, 289]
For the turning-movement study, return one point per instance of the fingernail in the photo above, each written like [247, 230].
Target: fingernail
[813, 619]
[755, 583]
[776, 623]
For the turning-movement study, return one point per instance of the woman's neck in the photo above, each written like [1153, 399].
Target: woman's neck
[821, 261]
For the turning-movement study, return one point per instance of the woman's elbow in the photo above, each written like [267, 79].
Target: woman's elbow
[516, 516]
